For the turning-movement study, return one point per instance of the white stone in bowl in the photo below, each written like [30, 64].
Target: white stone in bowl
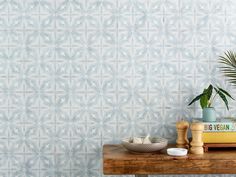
[147, 140]
[137, 140]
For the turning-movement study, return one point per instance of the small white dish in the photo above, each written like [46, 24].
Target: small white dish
[177, 151]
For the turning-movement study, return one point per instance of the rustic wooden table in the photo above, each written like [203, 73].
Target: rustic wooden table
[118, 161]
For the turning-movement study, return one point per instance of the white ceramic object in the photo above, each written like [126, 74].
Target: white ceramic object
[156, 145]
[177, 151]
[147, 140]
[137, 140]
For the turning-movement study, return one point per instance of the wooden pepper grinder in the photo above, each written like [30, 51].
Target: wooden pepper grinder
[182, 130]
[196, 143]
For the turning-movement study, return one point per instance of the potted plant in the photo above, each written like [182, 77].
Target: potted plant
[207, 98]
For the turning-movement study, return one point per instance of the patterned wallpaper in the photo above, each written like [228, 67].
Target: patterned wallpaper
[76, 74]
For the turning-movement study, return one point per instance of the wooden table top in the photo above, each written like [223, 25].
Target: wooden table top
[118, 160]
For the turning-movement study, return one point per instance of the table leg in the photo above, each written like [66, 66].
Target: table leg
[141, 175]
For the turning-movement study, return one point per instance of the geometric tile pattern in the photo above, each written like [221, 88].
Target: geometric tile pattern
[75, 74]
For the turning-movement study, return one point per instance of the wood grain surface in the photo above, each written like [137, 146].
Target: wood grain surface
[118, 160]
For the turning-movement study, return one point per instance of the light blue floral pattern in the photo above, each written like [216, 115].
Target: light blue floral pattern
[76, 74]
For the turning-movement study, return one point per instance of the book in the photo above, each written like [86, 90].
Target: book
[227, 124]
[219, 137]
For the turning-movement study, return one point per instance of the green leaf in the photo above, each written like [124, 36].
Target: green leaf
[225, 92]
[204, 101]
[223, 97]
[229, 66]
[196, 98]
[209, 91]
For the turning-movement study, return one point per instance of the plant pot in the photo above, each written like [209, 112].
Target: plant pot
[209, 114]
